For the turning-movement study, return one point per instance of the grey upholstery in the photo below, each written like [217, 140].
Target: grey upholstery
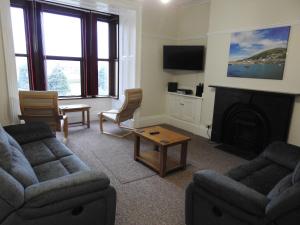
[263, 191]
[43, 182]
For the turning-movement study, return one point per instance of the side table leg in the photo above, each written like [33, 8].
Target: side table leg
[163, 160]
[88, 118]
[183, 154]
[83, 118]
[136, 147]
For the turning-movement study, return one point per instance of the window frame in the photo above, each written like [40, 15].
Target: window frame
[88, 61]
[57, 10]
[22, 5]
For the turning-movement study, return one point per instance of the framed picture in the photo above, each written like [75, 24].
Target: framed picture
[259, 53]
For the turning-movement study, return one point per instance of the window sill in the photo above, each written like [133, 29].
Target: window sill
[79, 97]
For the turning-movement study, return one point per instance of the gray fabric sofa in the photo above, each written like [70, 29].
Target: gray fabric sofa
[263, 191]
[43, 183]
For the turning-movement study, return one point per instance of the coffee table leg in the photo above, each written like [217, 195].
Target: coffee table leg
[163, 160]
[136, 147]
[183, 154]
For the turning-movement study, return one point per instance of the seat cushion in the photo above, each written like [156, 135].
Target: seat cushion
[111, 114]
[280, 187]
[259, 174]
[59, 168]
[21, 169]
[46, 150]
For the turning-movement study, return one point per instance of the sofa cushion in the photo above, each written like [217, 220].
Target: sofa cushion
[296, 174]
[14, 143]
[5, 150]
[59, 168]
[280, 187]
[46, 150]
[21, 169]
[259, 174]
[283, 154]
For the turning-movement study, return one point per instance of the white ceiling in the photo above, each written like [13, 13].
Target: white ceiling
[175, 2]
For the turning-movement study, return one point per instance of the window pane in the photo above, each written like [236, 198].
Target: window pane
[22, 73]
[62, 35]
[102, 37]
[18, 27]
[64, 77]
[103, 71]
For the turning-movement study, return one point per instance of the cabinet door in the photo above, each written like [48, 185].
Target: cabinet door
[174, 106]
[188, 109]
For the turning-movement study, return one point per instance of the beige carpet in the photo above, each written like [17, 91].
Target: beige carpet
[143, 197]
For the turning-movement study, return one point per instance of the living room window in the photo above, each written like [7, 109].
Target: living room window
[63, 53]
[71, 50]
[21, 52]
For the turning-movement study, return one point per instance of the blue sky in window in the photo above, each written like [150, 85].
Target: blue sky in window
[248, 43]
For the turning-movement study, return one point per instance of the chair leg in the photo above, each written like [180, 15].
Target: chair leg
[101, 122]
[65, 128]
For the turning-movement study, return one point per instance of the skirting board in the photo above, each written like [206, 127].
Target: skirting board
[200, 130]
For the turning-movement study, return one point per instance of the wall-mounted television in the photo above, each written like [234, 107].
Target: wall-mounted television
[184, 57]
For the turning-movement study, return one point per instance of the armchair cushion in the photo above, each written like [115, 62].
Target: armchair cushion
[260, 174]
[64, 188]
[231, 191]
[283, 154]
[296, 174]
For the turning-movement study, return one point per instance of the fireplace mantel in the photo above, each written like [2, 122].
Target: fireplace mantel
[257, 90]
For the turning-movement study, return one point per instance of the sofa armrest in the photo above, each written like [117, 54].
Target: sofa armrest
[64, 188]
[29, 132]
[231, 191]
[285, 202]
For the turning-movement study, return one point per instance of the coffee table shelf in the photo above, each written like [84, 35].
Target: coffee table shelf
[162, 138]
[151, 159]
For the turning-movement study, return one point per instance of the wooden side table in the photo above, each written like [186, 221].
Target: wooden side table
[164, 138]
[77, 108]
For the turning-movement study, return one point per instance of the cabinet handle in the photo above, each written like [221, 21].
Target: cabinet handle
[181, 104]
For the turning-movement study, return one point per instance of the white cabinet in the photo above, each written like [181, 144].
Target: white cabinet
[184, 111]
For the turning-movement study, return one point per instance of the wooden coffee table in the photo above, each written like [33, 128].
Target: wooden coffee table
[164, 138]
[77, 108]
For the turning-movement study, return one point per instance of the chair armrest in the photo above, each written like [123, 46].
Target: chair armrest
[65, 188]
[29, 132]
[231, 191]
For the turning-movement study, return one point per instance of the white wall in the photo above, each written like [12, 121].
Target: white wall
[236, 15]
[168, 25]
[192, 27]
[158, 29]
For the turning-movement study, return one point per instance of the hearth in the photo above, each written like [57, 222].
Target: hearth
[246, 121]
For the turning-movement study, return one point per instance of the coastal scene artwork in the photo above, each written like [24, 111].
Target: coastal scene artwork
[259, 53]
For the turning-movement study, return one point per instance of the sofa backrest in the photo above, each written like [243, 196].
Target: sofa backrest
[13, 161]
[283, 154]
[11, 194]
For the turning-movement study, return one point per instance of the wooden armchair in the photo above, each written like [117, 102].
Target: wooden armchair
[42, 106]
[133, 100]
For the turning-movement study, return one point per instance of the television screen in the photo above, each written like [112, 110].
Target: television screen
[184, 57]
